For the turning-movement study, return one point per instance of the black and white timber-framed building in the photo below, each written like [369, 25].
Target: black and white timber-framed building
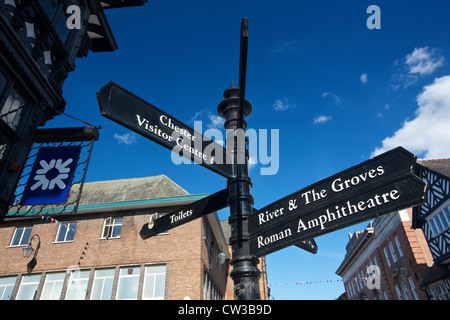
[39, 43]
[433, 217]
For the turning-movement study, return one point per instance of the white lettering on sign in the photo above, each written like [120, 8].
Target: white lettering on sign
[340, 212]
[329, 215]
[265, 241]
[338, 185]
[180, 215]
[179, 135]
[314, 195]
[264, 217]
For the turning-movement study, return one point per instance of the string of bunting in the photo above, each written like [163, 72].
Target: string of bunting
[315, 282]
[52, 220]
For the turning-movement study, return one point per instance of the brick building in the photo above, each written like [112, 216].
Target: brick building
[433, 218]
[400, 252]
[99, 254]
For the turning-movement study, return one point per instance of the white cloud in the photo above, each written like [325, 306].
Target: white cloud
[363, 77]
[196, 116]
[321, 119]
[332, 95]
[215, 122]
[285, 46]
[127, 138]
[282, 105]
[427, 135]
[420, 63]
[424, 61]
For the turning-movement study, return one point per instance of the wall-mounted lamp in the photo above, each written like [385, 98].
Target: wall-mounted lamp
[28, 250]
[222, 257]
[151, 223]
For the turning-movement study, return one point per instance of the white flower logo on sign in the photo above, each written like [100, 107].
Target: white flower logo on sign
[52, 174]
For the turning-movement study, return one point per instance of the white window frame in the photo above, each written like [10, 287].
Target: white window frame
[53, 284]
[399, 293]
[78, 280]
[66, 228]
[111, 223]
[29, 282]
[24, 230]
[99, 280]
[413, 288]
[149, 274]
[440, 221]
[386, 255]
[393, 254]
[125, 276]
[399, 248]
[6, 286]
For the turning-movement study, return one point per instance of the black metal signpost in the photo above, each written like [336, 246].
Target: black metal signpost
[400, 194]
[197, 209]
[375, 187]
[129, 110]
[370, 175]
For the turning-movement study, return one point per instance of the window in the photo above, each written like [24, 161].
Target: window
[53, 286]
[112, 228]
[440, 222]
[103, 284]
[78, 282]
[205, 231]
[375, 261]
[6, 287]
[399, 294]
[12, 108]
[394, 255]
[21, 236]
[399, 248]
[154, 282]
[66, 232]
[128, 283]
[413, 288]
[387, 257]
[28, 287]
[439, 292]
[210, 291]
[405, 291]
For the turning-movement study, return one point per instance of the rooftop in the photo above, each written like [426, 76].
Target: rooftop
[441, 166]
[130, 189]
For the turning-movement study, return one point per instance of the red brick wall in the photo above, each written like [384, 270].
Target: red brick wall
[183, 250]
[415, 260]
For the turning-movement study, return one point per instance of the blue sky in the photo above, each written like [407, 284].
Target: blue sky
[337, 91]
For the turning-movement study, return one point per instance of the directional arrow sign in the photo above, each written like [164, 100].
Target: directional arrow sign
[381, 170]
[407, 191]
[127, 109]
[308, 245]
[207, 205]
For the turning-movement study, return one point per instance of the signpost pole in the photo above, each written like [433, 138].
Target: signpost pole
[234, 108]
[245, 273]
